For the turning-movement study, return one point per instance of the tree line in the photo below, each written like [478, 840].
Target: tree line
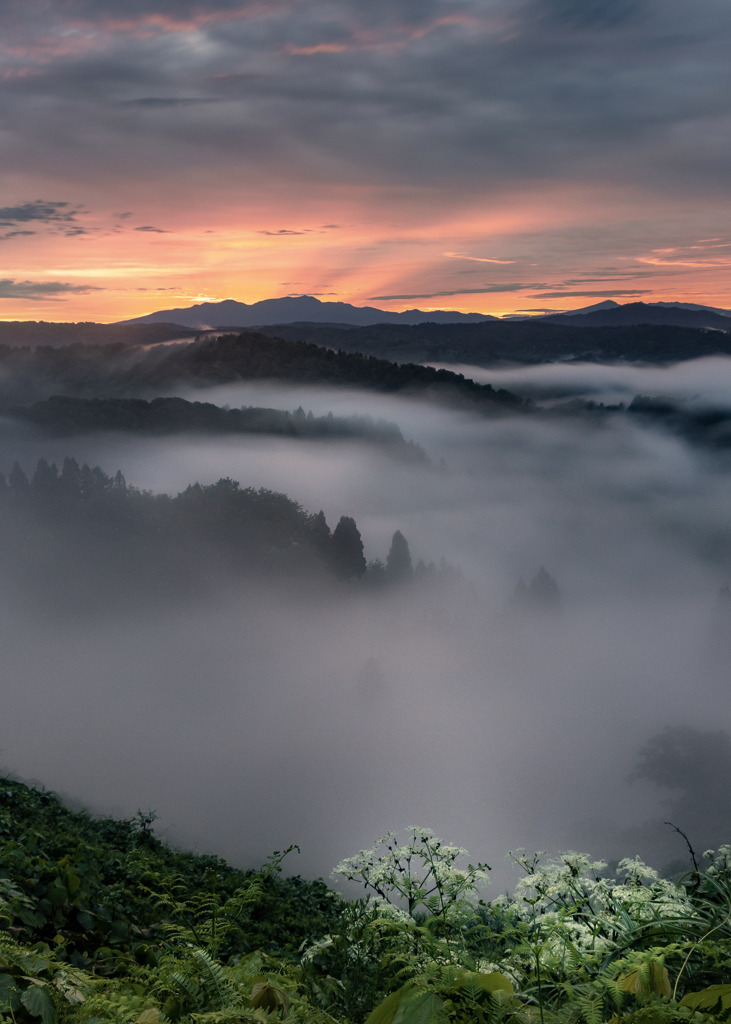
[241, 528]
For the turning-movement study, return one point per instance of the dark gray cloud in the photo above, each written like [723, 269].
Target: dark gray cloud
[167, 101]
[40, 290]
[459, 93]
[488, 289]
[592, 295]
[587, 14]
[149, 227]
[40, 210]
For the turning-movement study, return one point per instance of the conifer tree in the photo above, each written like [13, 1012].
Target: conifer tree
[398, 562]
[347, 549]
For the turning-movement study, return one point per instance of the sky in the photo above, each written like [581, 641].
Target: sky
[479, 155]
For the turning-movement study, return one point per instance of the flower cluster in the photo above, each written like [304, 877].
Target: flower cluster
[420, 874]
[574, 899]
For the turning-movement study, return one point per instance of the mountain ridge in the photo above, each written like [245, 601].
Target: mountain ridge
[291, 309]
[230, 314]
[632, 314]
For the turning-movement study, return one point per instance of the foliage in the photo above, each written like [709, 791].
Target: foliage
[102, 923]
[82, 885]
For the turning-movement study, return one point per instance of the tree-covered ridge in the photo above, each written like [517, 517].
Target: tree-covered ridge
[117, 371]
[95, 529]
[254, 356]
[32, 333]
[101, 921]
[529, 342]
[62, 415]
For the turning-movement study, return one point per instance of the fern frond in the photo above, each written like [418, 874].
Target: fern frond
[185, 988]
[592, 1009]
[216, 987]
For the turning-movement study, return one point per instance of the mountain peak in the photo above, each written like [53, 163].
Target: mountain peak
[297, 308]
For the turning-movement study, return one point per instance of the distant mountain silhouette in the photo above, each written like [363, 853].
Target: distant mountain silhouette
[606, 304]
[636, 313]
[293, 309]
[306, 309]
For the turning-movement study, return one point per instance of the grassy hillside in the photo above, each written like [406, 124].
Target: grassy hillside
[102, 921]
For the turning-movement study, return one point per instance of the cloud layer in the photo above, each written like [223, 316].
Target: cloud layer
[547, 137]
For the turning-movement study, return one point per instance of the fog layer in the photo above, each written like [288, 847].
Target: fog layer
[259, 717]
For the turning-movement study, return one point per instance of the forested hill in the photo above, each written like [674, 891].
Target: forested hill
[61, 415]
[123, 371]
[524, 341]
[110, 542]
[256, 356]
[33, 333]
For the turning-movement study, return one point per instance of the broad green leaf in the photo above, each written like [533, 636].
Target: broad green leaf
[267, 997]
[384, 1013]
[38, 1003]
[492, 983]
[420, 1007]
[715, 999]
[410, 1005]
[654, 979]
[151, 1016]
[85, 920]
[9, 993]
[57, 893]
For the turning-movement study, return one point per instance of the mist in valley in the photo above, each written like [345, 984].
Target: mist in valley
[256, 713]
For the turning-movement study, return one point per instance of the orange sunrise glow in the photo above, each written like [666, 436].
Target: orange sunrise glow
[249, 151]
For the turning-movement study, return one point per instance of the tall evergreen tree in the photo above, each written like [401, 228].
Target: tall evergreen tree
[320, 533]
[398, 563]
[45, 478]
[347, 549]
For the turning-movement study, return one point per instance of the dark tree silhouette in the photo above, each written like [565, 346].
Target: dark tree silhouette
[320, 531]
[45, 478]
[695, 766]
[398, 563]
[541, 595]
[543, 591]
[347, 549]
[70, 479]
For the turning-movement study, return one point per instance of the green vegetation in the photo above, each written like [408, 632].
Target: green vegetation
[100, 921]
